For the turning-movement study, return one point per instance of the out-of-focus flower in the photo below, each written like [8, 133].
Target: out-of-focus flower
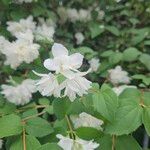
[118, 90]
[44, 32]
[118, 75]
[62, 12]
[21, 1]
[20, 94]
[78, 144]
[72, 14]
[22, 26]
[86, 120]
[79, 38]
[84, 15]
[21, 50]
[48, 85]
[77, 85]
[94, 64]
[3, 43]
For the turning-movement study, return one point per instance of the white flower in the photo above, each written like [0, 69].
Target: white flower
[44, 32]
[118, 90]
[77, 85]
[20, 94]
[3, 43]
[21, 50]
[78, 144]
[117, 76]
[72, 14]
[22, 26]
[48, 85]
[79, 37]
[1, 143]
[84, 15]
[86, 120]
[94, 64]
[62, 63]
[21, 1]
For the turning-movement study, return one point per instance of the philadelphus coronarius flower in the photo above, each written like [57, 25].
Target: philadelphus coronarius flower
[78, 144]
[86, 120]
[94, 64]
[21, 50]
[117, 76]
[3, 43]
[65, 65]
[79, 38]
[20, 94]
[118, 90]
[22, 26]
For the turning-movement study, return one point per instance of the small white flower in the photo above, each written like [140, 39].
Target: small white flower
[44, 32]
[21, 1]
[72, 14]
[48, 85]
[20, 94]
[62, 62]
[78, 144]
[79, 37]
[86, 120]
[22, 26]
[94, 64]
[1, 143]
[118, 75]
[84, 15]
[118, 90]
[77, 85]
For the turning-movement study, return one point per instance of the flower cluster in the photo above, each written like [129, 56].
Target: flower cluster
[65, 67]
[76, 144]
[20, 94]
[23, 49]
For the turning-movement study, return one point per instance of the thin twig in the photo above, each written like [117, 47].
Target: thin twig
[70, 127]
[113, 142]
[33, 116]
[24, 139]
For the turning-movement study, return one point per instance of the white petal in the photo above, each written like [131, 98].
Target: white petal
[76, 60]
[39, 74]
[50, 64]
[59, 50]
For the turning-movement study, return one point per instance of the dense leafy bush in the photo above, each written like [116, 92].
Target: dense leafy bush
[74, 74]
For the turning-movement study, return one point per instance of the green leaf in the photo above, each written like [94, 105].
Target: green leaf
[128, 117]
[44, 101]
[121, 143]
[88, 133]
[144, 58]
[6, 107]
[127, 143]
[146, 119]
[130, 54]
[16, 143]
[106, 103]
[115, 58]
[60, 107]
[96, 29]
[113, 30]
[10, 125]
[107, 53]
[49, 146]
[38, 127]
